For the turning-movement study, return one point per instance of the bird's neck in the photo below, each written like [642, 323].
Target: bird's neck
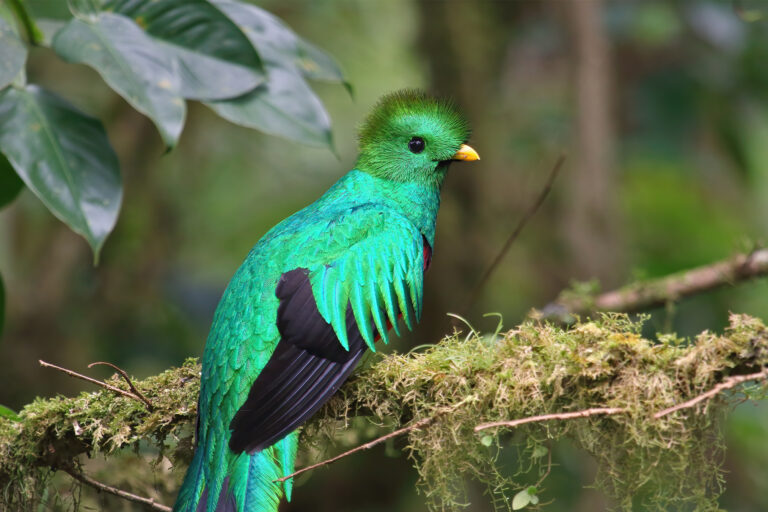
[418, 202]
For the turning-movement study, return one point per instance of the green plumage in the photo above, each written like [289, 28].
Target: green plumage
[362, 246]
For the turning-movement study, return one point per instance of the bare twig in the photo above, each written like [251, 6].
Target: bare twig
[520, 225]
[149, 502]
[728, 383]
[415, 426]
[370, 444]
[557, 416]
[127, 379]
[657, 292]
[89, 379]
[549, 465]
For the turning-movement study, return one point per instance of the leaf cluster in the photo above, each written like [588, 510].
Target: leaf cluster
[236, 58]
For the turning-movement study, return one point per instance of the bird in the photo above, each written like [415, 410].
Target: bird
[317, 291]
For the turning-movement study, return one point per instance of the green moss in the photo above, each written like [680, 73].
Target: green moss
[667, 464]
[53, 432]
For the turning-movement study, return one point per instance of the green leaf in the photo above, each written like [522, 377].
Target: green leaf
[13, 53]
[10, 183]
[486, 440]
[521, 500]
[8, 413]
[278, 45]
[284, 106]
[131, 63]
[539, 451]
[214, 59]
[64, 157]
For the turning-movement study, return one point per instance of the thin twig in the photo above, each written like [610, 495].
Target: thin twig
[127, 379]
[549, 465]
[728, 383]
[415, 426]
[520, 225]
[89, 379]
[557, 416]
[150, 502]
[657, 292]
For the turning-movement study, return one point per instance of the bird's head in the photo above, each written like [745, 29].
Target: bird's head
[412, 137]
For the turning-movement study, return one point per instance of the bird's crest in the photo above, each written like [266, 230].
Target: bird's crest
[409, 103]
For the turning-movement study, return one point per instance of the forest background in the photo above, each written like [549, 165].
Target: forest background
[661, 107]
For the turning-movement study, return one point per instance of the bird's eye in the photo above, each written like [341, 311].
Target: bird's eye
[416, 145]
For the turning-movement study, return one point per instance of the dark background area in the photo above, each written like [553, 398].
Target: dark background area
[661, 108]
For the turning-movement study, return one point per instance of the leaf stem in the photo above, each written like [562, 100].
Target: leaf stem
[34, 34]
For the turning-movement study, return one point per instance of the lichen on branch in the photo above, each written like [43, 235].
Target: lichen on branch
[464, 381]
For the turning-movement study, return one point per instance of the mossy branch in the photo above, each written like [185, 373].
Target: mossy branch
[535, 369]
[644, 295]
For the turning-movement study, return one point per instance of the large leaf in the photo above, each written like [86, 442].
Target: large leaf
[13, 53]
[10, 183]
[64, 157]
[131, 63]
[5, 412]
[214, 59]
[278, 45]
[284, 106]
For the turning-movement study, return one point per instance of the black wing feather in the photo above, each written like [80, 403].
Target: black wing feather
[306, 368]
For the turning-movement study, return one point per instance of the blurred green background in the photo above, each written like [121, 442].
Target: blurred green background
[661, 107]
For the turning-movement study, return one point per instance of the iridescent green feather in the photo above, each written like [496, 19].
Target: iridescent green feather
[362, 245]
[286, 450]
[384, 250]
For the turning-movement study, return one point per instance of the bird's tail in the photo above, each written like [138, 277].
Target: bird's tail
[224, 482]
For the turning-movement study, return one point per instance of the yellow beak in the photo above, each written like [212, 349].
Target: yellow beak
[466, 154]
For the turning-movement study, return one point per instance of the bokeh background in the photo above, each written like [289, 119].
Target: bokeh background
[661, 108]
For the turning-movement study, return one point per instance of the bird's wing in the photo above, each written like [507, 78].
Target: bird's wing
[329, 312]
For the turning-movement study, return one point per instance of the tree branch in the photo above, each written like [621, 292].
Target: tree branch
[536, 369]
[80, 376]
[370, 444]
[729, 383]
[415, 426]
[556, 416]
[149, 502]
[127, 379]
[657, 292]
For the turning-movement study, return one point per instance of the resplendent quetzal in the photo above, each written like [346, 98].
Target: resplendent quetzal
[311, 295]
